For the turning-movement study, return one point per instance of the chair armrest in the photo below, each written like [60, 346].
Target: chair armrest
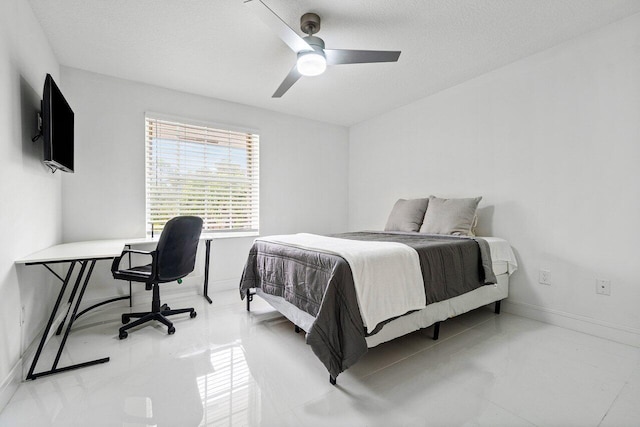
[115, 266]
[133, 251]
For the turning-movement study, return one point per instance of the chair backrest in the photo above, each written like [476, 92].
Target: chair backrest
[177, 247]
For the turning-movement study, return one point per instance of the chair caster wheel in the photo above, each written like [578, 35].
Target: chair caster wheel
[171, 330]
[125, 319]
[165, 307]
[123, 335]
[193, 314]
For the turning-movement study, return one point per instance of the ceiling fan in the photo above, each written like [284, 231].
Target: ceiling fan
[313, 58]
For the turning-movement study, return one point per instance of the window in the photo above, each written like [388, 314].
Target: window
[202, 171]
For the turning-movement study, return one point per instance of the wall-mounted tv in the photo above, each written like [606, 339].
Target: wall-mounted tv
[57, 128]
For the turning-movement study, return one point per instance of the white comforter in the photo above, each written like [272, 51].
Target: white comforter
[386, 275]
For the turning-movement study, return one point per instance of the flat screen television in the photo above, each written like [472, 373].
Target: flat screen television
[57, 128]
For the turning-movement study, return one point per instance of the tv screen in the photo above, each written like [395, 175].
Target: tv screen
[57, 128]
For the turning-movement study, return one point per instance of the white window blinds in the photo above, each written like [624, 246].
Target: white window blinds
[202, 171]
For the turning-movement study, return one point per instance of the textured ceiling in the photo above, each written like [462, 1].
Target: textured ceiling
[219, 48]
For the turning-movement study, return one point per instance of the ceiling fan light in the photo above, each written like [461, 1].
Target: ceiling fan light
[311, 63]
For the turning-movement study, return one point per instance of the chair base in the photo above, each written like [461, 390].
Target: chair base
[157, 312]
[149, 316]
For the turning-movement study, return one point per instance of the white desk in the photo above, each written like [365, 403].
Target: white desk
[95, 249]
[86, 254]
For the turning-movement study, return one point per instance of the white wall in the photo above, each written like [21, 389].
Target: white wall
[303, 167]
[552, 142]
[30, 214]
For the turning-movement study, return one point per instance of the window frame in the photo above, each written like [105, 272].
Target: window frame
[255, 183]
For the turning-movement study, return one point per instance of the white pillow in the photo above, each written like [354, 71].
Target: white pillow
[450, 216]
[407, 215]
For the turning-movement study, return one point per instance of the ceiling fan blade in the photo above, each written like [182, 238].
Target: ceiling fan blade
[285, 32]
[288, 81]
[346, 56]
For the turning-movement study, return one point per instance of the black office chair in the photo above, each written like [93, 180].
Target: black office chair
[173, 259]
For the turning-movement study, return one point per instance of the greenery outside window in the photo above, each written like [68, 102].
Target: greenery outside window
[204, 171]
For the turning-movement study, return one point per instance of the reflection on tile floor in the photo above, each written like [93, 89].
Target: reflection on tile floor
[228, 367]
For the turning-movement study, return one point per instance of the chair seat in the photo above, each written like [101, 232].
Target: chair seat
[134, 273]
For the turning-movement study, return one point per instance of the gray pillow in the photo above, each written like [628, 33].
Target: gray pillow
[407, 215]
[450, 216]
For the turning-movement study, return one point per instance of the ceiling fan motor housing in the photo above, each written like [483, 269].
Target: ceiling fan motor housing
[310, 23]
[315, 42]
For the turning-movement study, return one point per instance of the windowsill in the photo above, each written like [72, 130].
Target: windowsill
[228, 234]
[207, 235]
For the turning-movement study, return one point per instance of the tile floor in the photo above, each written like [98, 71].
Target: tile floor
[228, 368]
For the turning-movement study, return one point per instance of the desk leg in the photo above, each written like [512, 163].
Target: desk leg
[30, 375]
[72, 296]
[74, 315]
[206, 270]
[130, 297]
[73, 318]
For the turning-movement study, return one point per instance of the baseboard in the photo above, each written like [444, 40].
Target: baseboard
[598, 328]
[192, 285]
[10, 384]
[29, 353]
[225, 284]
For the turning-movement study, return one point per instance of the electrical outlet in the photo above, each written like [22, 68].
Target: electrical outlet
[544, 277]
[22, 316]
[603, 287]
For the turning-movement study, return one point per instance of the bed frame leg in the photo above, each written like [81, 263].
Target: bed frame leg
[249, 299]
[296, 328]
[436, 331]
[332, 379]
[497, 309]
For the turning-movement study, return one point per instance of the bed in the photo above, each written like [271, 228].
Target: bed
[317, 283]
